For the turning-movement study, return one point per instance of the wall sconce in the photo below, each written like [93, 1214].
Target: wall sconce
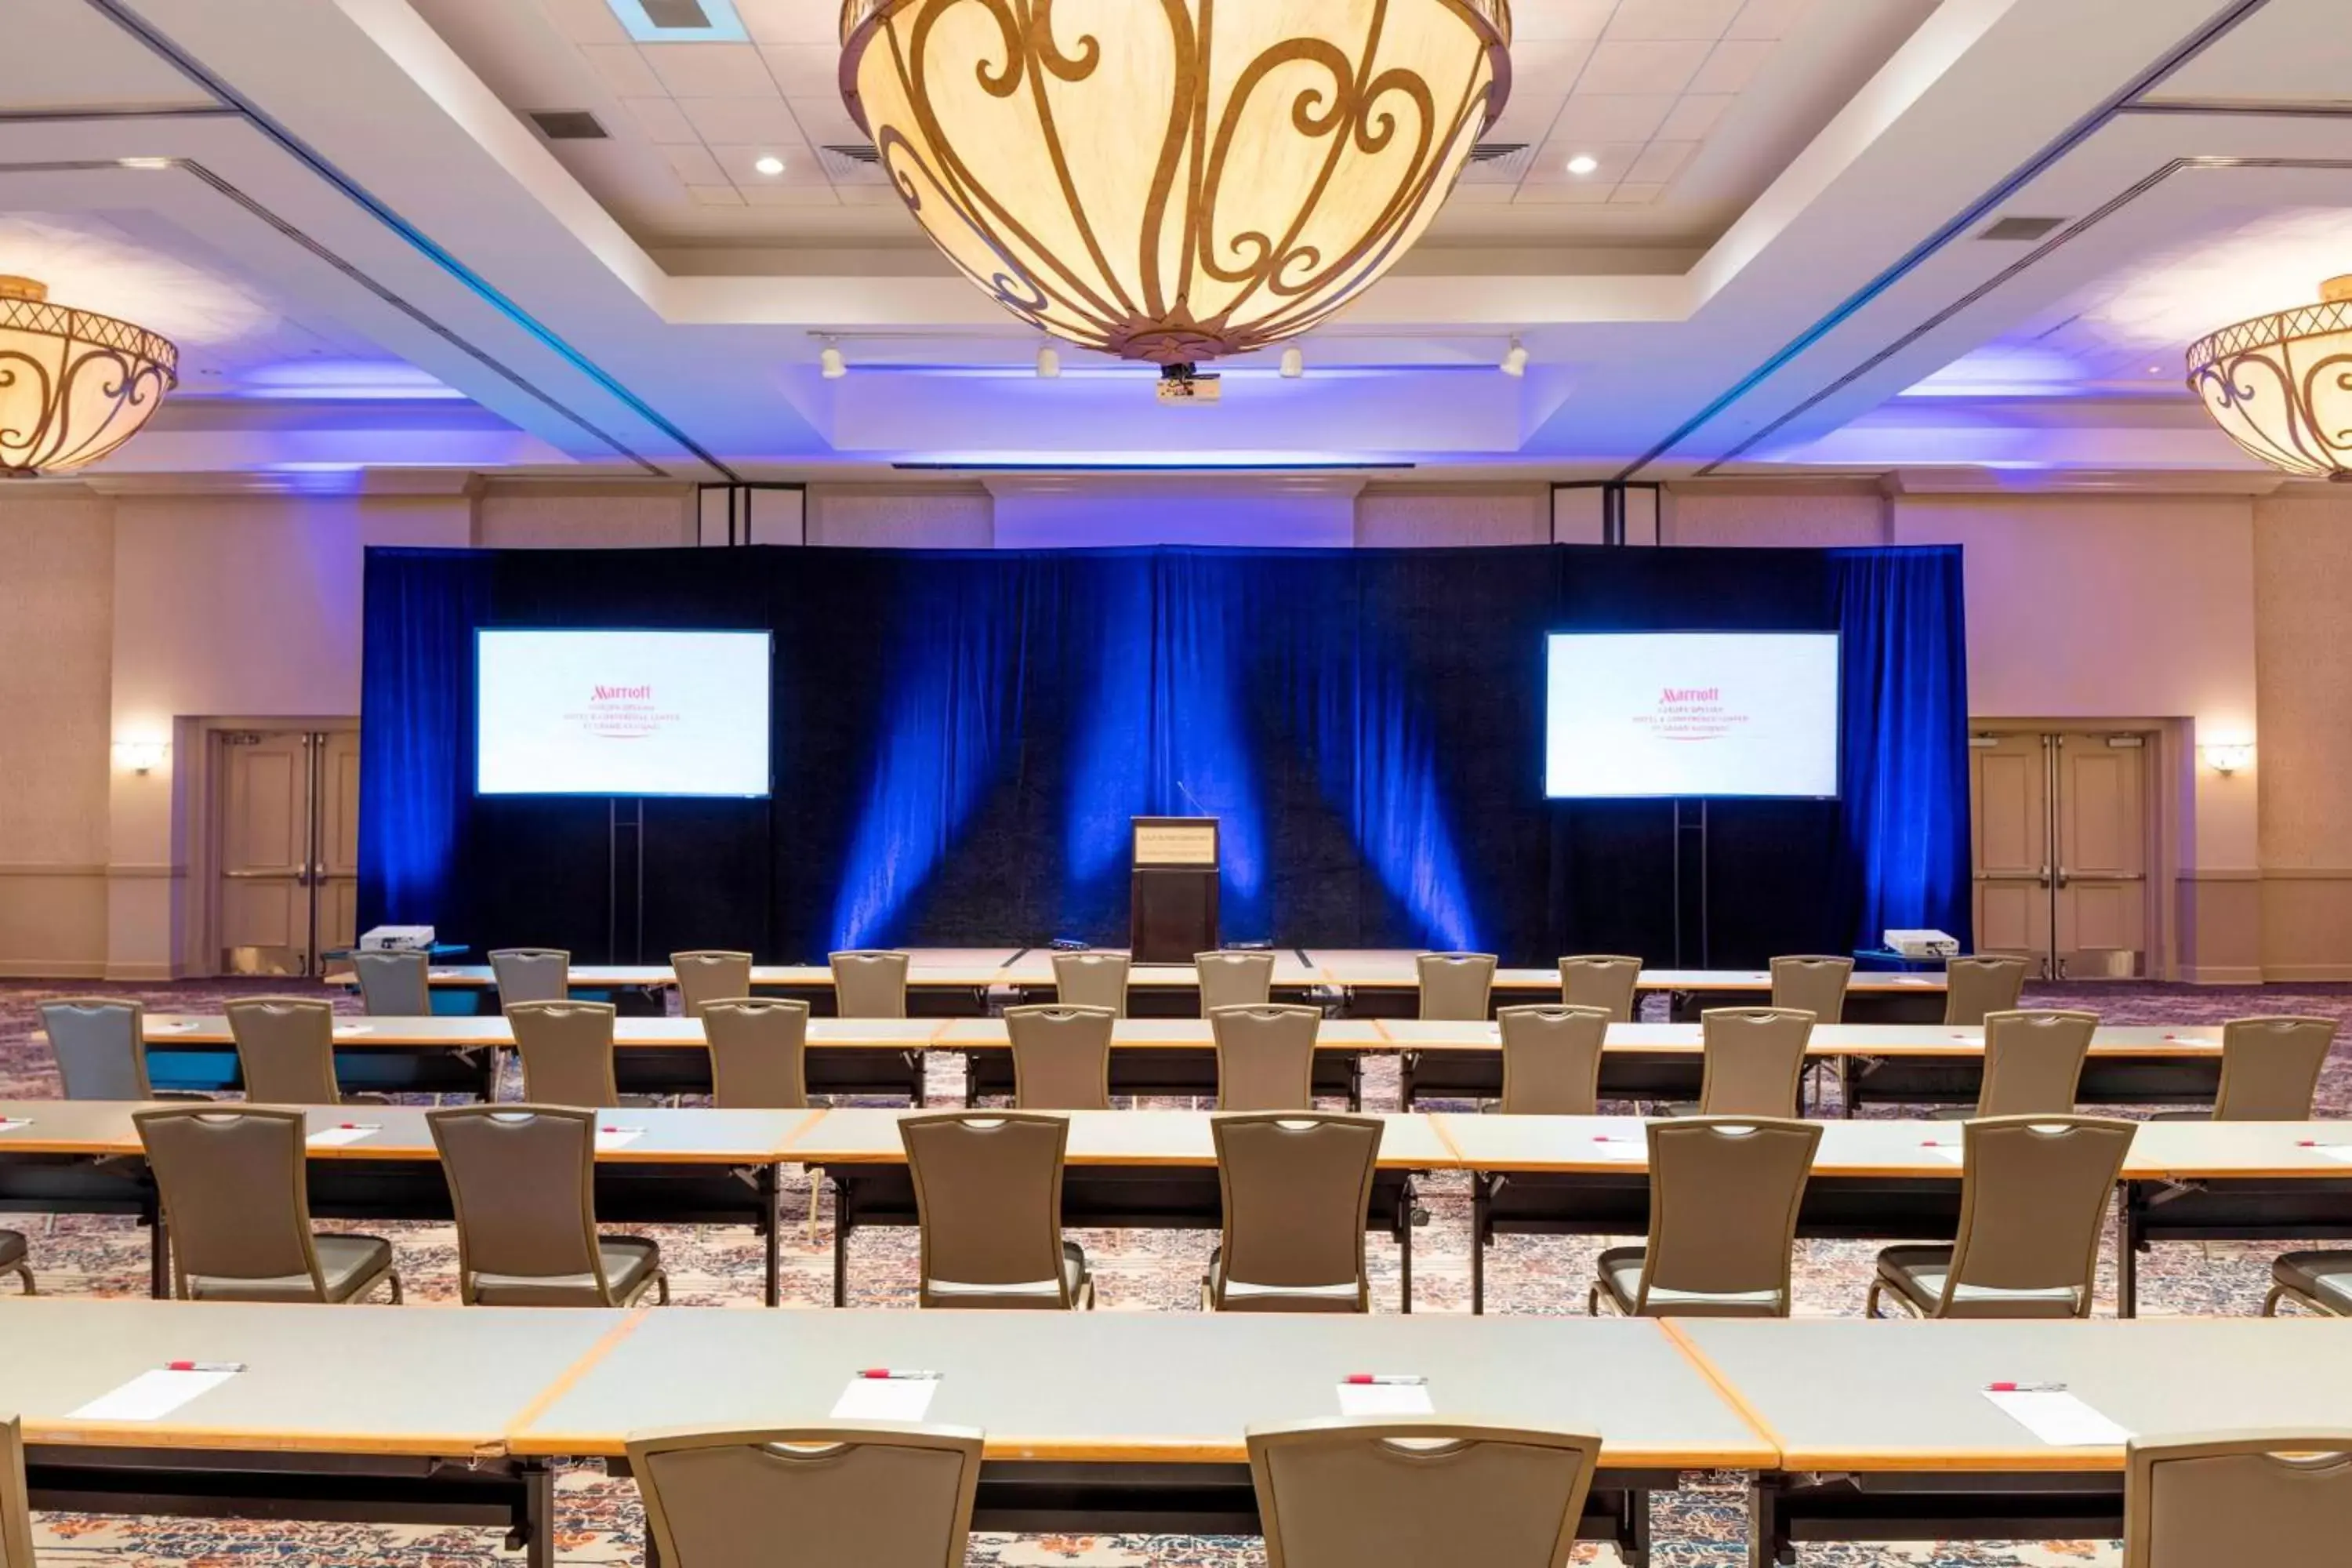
[2228, 757]
[143, 757]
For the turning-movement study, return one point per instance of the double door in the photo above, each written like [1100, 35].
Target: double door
[2061, 849]
[286, 848]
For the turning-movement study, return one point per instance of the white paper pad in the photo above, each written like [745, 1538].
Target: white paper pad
[1951, 1151]
[8, 1126]
[355, 1028]
[885, 1399]
[2058, 1417]
[2334, 1152]
[152, 1396]
[441, 973]
[1621, 1148]
[617, 1137]
[336, 1137]
[176, 1027]
[1385, 1399]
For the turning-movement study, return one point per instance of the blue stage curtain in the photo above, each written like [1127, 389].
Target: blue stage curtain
[1904, 766]
[417, 738]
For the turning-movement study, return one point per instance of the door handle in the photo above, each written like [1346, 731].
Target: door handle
[2063, 875]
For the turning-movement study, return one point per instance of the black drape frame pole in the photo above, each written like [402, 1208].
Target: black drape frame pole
[624, 815]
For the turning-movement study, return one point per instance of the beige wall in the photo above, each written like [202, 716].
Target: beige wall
[123, 615]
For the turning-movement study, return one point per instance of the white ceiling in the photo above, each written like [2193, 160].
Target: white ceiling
[337, 206]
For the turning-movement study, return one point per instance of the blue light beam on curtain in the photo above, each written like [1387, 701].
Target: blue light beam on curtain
[1904, 761]
[416, 729]
[952, 695]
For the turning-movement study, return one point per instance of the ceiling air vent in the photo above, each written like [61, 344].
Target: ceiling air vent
[1497, 162]
[676, 13]
[567, 125]
[856, 163]
[2020, 228]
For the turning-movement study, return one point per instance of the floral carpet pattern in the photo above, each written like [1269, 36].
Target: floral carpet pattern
[1704, 1523]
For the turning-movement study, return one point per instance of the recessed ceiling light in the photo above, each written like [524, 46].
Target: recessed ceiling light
[769, 164]
[1583, 164]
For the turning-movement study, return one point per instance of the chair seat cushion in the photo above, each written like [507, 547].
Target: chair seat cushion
[347, 1264]
[2322, 1277]
[630, 1263]
[1621, 1278]
[1918, 1274]
[1241, 1296]
[11, 1248]
[1019, 1293]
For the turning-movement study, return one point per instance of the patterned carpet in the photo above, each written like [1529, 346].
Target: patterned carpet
[1705, 1523]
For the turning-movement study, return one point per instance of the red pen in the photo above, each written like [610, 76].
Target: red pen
[1384, 1380]
[2025, 1388]
[895, 1373]
[203, 1366]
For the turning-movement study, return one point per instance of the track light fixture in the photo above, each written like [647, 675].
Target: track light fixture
[1294, 363]
[1049, 361]
[1515, 363]
[832, 364]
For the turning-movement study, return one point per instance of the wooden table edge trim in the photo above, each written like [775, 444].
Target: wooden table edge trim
[67, 1432]
[1979, 1461]
[587, 1361]
[1171, 1450]
[1720, 1381]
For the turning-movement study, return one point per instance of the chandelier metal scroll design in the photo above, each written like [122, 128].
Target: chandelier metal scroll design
[2281, 385]
[1174, 180]
[74, 384]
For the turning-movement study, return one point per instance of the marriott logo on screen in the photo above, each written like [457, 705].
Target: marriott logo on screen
[623, 694]
[1691, 694]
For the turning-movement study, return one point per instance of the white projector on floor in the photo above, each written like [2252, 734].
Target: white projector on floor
[1922, 944]
[398, 938]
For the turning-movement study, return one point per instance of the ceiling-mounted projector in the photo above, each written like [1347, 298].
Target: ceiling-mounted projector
[1185, 383]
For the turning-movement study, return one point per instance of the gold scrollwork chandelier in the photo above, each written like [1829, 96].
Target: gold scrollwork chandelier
[1174, 180]
[2281, 385]
[74, 384]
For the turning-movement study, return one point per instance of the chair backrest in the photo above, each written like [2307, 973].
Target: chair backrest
[531, 974]
[1551, 1060]
[988, 1193]
[1296, 1188]
[1752, 1060]
[1811, 983]
[757, 1053]
[1234, 979]
[2034, 1061]
[1091, 980]
[2196, 1501]
[523, 1182]
[1985, 982]
[234, 1183]
[809, 1497]
[1604, 980]
[394, 985]
[1723, 1193]
[1454, 985]
[100, 1043]
[1060, 1056]
[286, 1048]
[709, 976]
[1421, 1494]
[16, 1505]
[2034, 1194]
[567, 1052]
[868, 984]
[2269, 1068]
[1266, 1056]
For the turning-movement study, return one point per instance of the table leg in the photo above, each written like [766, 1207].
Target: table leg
[1636, 1551]
[840, 1239]
[1405, 1245]
[159, 1255]
[2127, 1213]
[1406, 1061]
[770, 1203]
[1477, 1242]
[1763, 1524]
[539, 1513]
[916, 1073]
[1845, 1086]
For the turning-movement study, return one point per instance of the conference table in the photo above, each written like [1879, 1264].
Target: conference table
[1171, 1056]
[1878, 1064]
[1355, 982]
[458, 1054]
[683, 1167]
[1134, 1422]
[1152, 1170]
[390, 1414]
[1900, 1180]
[1884, 1432]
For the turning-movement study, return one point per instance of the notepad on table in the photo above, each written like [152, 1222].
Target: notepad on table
[349, 1133]
[1621, 1148]
[10, 1124]
[886, 1398]
[1385, 1396]
[2334, 1152]
[617, 1137]
[355, 1028]
[1951, 1151]
[2058, 1417]
[152, 1396]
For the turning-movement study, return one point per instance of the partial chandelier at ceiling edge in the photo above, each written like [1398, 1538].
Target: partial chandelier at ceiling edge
[2281, 385]
[74, 384]
[1176, 181]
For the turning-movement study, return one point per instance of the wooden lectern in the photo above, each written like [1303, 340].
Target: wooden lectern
[1173, 898]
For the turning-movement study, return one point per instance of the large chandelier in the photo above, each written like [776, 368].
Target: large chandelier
[2281, 387]
[1174, 180]
[74, 385]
